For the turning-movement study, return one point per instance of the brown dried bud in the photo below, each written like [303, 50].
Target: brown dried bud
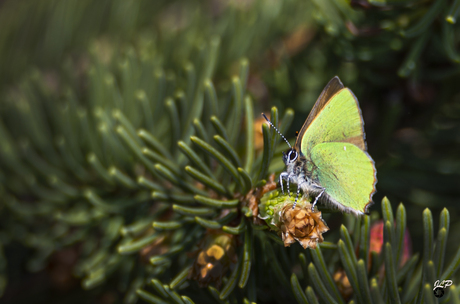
[214, 257]
[252, 199]
[302, 225]
[343, 284]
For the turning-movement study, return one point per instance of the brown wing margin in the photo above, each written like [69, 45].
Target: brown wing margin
[333, 86]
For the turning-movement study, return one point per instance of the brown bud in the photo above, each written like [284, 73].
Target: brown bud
[252, 199]
[343, 284]
[216, 254]
[301, 224]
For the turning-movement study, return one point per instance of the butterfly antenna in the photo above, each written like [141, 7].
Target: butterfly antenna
[276, 129]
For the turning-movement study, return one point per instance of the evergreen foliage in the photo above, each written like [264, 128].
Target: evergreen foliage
[131, 152]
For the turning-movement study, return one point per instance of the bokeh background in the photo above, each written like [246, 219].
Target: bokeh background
[399, 57]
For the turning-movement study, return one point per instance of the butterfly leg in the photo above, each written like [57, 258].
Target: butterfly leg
[285, 176]
[297, 196]
[288, 186]
[317, 197]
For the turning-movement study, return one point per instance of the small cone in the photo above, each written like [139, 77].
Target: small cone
[215, 256]
[301, 224]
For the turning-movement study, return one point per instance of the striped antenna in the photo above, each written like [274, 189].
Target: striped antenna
[271, 124]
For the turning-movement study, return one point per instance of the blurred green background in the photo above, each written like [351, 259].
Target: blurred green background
[399, 57]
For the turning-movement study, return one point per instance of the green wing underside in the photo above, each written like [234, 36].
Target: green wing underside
[347, 173]
[339, 121]
[333, 86]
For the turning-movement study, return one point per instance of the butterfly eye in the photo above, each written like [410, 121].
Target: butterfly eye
[293, 155]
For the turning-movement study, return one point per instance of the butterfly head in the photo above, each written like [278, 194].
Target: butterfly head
[290, 156]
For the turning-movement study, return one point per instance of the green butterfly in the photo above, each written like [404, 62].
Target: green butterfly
[329, 159]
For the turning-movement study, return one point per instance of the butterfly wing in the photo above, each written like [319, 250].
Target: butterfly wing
[348, 174]
[339, 120]
[334, 143]
[333, 86]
